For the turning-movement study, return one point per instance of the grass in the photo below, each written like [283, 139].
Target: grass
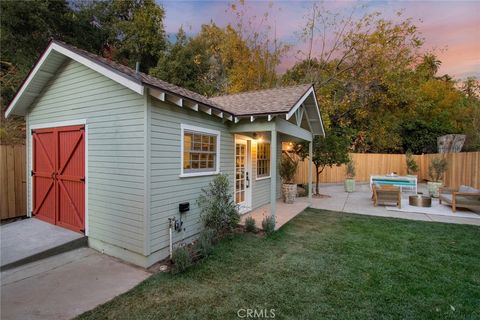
[322, 265]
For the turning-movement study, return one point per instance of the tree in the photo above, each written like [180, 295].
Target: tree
[362, 69]
[26, 28]
[429, 65]
[136, 30]
[186, 63]
[420, 136]
[328, 151]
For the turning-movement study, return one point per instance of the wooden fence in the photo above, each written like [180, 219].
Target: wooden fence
[463, 168]
[12, 181]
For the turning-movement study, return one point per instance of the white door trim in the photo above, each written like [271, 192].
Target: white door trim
[245, 206]
[29, 161]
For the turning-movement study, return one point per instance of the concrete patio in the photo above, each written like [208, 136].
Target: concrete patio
[27, 240]
[360, 202]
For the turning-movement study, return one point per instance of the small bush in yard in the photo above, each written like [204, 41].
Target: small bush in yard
[181, 259]
[250, 224]
[218, 210]
[268, 225]
[205, 242]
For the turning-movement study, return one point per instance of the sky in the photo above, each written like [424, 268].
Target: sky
[451, 28]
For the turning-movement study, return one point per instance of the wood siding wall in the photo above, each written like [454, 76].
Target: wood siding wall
[463, 168]
[12, 181]
[167, 189]
[115, 118]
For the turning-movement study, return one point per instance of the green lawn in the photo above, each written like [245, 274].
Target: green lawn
[322, 265]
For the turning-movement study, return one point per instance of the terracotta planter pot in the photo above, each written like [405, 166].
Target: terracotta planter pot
[289, 192]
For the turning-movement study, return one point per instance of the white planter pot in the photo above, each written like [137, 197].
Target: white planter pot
[433, 188]
[289, 192]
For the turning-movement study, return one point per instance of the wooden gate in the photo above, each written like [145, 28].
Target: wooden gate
[58, 176]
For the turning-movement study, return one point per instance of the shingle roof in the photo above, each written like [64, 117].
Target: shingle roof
[143, 78]
[277, 100]
[269, 101]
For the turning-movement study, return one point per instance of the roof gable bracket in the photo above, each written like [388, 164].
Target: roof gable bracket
[299, 115]
[308, 120]
[299, 103]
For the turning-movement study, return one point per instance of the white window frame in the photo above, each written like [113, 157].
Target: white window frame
[187, 127]
[256, 163]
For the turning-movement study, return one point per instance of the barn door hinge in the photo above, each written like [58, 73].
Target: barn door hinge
[32, 173]
[31, 131]
[82, 179]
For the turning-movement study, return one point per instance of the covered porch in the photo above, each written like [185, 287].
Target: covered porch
[263, 120]
[261, 196]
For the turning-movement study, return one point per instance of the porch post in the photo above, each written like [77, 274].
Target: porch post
[310, 160]
[273, 173]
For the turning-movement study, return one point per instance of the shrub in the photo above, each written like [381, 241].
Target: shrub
[288, 168]
[218, 210]
[181, 259]
[437, 169]
[205, 242]
[412, 165]
[268, 225]
[250, 224]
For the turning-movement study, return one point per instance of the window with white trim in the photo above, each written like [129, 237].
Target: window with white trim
[200, 150]
[263, 160]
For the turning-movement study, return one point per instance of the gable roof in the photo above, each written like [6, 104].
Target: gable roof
[134, 80]
[261, 102]
[272, 102]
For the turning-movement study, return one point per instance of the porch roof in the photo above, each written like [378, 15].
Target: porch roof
[277, 124]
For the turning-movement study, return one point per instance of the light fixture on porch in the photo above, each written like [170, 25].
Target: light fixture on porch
[256, 137]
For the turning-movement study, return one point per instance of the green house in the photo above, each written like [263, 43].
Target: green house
[113, 153]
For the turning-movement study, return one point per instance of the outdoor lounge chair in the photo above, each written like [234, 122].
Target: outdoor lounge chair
[464, 197]
[387, 194]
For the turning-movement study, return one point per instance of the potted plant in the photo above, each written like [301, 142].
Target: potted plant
[288, 168]
[412, 166]
[350, 180]
[436, 170]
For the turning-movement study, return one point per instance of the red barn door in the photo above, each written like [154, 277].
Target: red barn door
[59, 176]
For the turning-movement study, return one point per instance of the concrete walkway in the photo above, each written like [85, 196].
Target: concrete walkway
[65, 285]
[284, 213]
[360, 202]
[29, 237]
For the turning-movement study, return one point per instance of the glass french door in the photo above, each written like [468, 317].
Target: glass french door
[242, 176]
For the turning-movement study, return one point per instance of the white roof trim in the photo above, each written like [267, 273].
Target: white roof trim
[135, 86]
[318, 110]
[299, 103]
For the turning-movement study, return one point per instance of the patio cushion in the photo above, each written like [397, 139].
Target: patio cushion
[468, 189]
[446, 197]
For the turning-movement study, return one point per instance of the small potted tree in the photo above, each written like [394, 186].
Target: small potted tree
[350, 180]
[436, 171]
[288, 168]
[412, 166]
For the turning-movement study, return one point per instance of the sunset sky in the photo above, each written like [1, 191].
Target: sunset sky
[450, 27]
